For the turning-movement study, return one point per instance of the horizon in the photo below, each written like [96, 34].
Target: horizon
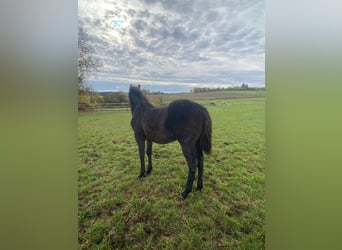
[106, 86]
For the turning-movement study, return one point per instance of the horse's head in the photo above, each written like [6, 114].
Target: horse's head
[137, 98]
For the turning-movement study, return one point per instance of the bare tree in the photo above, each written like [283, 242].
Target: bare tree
[87, 64]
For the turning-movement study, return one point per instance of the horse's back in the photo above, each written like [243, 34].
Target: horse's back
[185, 117]
[183, 110]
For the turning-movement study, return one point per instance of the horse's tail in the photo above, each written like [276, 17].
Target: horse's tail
[205, 139]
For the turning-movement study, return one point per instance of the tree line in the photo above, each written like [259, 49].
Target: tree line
[93, 99]
[242, 87]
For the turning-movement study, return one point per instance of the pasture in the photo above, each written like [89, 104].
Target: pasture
[117, 211]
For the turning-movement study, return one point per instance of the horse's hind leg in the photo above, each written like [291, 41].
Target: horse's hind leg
[149, 155]
[190, 155]
[200, 170]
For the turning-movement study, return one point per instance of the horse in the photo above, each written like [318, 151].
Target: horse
[183, 120]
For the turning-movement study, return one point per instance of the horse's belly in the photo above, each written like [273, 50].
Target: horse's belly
[164, 141]
[160, 137]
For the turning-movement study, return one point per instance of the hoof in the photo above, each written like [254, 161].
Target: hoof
[148, 171]
[183, 196]
[199, 189]
[140, 176]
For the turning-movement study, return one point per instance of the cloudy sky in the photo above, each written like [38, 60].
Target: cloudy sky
[175, 44]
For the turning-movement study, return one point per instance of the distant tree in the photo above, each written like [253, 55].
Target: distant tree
[155, 99]
[244, 86]
[87, 65]
[123, 98]
[115, 97]
[110, 97]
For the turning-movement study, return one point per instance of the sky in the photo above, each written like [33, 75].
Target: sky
[175, 45]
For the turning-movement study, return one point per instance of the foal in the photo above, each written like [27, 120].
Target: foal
[183, 120]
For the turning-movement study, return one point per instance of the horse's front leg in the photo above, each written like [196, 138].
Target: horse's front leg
[141, 144]
[149, 155]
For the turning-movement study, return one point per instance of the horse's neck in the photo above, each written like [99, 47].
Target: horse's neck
[142, 106]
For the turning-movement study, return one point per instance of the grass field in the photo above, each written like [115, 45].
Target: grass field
[231, 94]
[116, 211]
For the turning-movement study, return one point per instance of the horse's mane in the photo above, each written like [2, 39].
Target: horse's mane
[137, 98]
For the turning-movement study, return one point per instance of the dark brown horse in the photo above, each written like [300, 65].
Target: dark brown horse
[185, 121]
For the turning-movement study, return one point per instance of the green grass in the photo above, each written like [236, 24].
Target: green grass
[231, 94]
[116, 211]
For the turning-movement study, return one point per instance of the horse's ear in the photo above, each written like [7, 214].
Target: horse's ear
[139, 86]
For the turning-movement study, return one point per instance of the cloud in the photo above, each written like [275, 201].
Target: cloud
[177, 41]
